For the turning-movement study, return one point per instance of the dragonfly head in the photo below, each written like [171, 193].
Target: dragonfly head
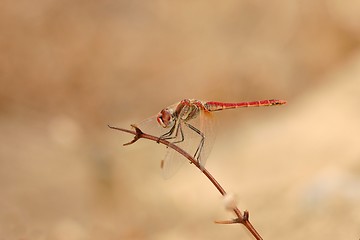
[165, 118]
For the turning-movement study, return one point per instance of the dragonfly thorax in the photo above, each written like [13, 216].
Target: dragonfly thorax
[189, 112]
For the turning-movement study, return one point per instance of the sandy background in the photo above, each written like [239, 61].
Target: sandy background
[69, 68]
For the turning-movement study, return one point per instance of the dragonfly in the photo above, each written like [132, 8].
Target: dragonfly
[190, 125]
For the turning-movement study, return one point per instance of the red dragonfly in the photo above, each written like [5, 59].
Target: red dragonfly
[190, 125]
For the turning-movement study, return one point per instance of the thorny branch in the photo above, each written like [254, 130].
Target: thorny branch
[242, 217]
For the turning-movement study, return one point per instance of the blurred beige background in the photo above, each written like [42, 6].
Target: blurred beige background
[69, 68]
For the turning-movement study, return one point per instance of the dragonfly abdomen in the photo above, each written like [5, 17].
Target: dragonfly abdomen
[216, 106]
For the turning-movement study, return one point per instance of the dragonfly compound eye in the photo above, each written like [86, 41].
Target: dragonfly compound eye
[164, 118]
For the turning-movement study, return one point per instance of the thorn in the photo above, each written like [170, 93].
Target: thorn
[137, 136]
[246, 216]
[132, 141]
[138, 133]
[232, 221]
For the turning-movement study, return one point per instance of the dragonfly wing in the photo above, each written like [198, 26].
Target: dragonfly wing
[172, 160]
[207, 127]
[172, 163]
[151, 126]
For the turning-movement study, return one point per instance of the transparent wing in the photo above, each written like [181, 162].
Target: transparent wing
[172, 161]
[206, 125]
[151, 126]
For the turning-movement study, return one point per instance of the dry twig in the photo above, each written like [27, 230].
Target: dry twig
[242, 218]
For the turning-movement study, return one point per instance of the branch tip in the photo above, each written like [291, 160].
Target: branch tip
[138, 133]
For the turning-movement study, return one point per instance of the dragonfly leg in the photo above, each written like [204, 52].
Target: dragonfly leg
[169, 135]
[202, 141]
[179, 129]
